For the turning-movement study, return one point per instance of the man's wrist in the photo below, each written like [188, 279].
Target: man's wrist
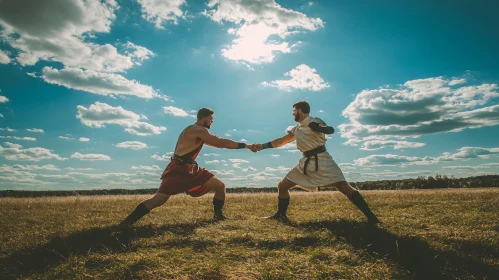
[241, 145]
[267, 145]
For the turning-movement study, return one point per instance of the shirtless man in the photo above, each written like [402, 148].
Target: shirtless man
[183, 173]
[316, 168]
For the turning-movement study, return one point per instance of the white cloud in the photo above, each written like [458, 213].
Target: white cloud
[53, 31]
[134, 145]
[302, 78]
[457, 82]
[9, 129]
[211, 154]
[18, 138]
[80, 169]
[236, 163]
[98, 82]
[66, 138]
[276, 155]
[165, 157]
[84, 139]
[291, 145]
[143, 167]
[228, 135]
[243, 140]
[372, 145]
[38, 130]
[50, 167]
[4, 58]
[419, 107]
[15, 152]
[215, 161]
[463, 153]
[249, 168]
[159, 11]
[280, 169]
[99, 114]
[174, 111]
[256, 22]
[223, 172]
[90, 156]
[1, 115]
[3, 99]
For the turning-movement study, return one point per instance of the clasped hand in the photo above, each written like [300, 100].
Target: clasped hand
[255, 147]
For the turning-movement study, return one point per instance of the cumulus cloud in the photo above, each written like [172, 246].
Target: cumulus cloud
[174, 111]
[211, 154]
[98, 82]
[3, 99]
[100, 114]
[372, 145]
[90, 156]
[302, 78]
[165, 157]
[37, 130]
[256, 23]
[66, 138]
[134, 145]
[159, 11]
[84, 139]
[280, 169]
[464, 153]
[8, 129]
[419, 107]
[4, 58]
[144, 167]
[16, 152]
[18, 138]
[50, 167]
[58, 32]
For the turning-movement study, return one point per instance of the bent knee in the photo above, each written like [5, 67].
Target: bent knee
[219, 186]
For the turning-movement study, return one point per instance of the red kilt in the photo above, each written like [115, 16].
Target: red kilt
[179, 177]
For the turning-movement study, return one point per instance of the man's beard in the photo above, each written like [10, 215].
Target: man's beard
[207, 125]
[297, 118]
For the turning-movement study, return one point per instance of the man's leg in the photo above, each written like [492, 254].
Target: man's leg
[356, 198]
[219, 199]
[284, 186]
[144, 208]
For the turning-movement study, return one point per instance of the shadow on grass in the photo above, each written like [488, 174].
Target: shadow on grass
[414, 254]
[38, 259]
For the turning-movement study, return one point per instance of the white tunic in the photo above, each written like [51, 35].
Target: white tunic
[306, 140]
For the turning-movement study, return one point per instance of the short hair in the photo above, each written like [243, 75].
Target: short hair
[303, 106]
[204, 112]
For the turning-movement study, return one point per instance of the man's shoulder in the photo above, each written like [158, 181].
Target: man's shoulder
[317, 120]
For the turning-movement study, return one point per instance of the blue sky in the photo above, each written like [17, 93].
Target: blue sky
[93, 94]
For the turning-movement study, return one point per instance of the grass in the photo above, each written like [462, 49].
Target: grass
[426, 234]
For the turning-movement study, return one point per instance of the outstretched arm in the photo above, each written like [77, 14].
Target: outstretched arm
[274, 143]
[218, 142]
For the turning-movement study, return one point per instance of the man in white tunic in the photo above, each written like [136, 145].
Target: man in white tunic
[316, 168]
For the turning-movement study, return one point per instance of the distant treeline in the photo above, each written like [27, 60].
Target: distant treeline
[422, 182]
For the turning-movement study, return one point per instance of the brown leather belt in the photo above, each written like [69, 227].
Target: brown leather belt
[313, 153]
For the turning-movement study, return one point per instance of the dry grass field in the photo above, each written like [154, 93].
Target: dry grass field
[426, 234]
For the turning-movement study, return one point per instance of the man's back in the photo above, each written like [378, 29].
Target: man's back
[188, 140]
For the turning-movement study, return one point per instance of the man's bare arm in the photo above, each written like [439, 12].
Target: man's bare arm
[218, 142]
[274, 143]
[278, 142]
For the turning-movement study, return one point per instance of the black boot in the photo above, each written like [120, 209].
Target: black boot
[282, 208]
[217, 210]
[139, 212]
[359, 201]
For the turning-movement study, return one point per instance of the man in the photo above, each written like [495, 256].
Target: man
[183, 173]
[316, 168]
